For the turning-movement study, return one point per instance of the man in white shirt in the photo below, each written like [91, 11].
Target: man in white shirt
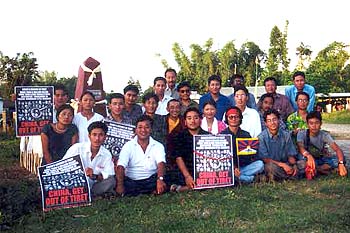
[159, 85]
[251, 118]
[96, 159]
[170, 76]
[141, 164]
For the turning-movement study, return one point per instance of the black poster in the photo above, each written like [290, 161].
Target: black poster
[64, 184]
[34, 107]
[213, 161]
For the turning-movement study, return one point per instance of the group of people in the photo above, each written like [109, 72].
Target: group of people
[160, 156]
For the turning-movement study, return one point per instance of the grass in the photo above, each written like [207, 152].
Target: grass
[320, 205]
[341, 117]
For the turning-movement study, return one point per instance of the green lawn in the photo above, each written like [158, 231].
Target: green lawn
[342, 117]
[321, 205]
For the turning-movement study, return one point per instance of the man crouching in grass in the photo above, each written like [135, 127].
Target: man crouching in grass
[313, 144]
[97, 160]
[277, 150]
[141, 163]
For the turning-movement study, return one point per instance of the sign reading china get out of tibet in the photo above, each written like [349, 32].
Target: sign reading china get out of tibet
[213, 161]
[34, 108]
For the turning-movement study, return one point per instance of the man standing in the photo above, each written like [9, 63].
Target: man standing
[96, 159]
[131, 109]
[277, 150]
[141, 164]
[299, 85]
[247, 166]
[170, 76]
[238, 80]
[159, 85]
[116, 104]
[60, 98]
[183, 149]
[222, 102]
[281, 102]
[184, 91]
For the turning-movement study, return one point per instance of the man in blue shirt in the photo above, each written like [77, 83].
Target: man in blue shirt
[299, 85]
[277, 150]
[222, 102]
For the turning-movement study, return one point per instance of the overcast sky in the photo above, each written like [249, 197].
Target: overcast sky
[124, 36]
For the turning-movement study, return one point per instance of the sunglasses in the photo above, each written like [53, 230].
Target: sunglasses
[233, 117]
[185, 91]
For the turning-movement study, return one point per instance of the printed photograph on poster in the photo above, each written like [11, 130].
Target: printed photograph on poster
[64, 184]
[34, 108]
[118, 134]
[247, 146]
[213, 161]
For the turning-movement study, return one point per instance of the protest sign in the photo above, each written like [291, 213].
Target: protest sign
[34, 107]
[213, 161]
[118, 134]
[64, 184]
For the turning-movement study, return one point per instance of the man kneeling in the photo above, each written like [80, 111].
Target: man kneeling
[142, 160]
[96, 159]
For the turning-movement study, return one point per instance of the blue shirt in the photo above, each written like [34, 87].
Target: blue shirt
[291, 93]
[278, 147]
[222, 104]
[250, 103]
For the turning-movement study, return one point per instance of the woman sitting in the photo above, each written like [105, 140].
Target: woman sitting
[56, 138]
[209, 122]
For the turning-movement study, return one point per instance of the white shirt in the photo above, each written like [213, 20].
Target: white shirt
[83, 123]
[251, 122]
[140, 165]
[162, 104]
[102, 162]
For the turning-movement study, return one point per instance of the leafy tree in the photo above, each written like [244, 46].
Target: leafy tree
[325, 72]
[20, 70]
[227, 62]
[47, 78]
[277, 56]
[304, 55]
[70, 84]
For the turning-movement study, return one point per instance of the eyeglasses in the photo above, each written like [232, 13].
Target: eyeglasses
[240, 95]
[303, 100]
[233, 117]
[185, 91]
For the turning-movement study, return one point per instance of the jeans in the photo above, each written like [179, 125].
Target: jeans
[248, 172]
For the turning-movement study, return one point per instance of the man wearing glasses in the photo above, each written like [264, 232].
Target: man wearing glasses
[184, 90]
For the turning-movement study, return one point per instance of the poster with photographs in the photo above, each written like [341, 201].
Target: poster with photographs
[213, 161]
[34, 107]
[118, 134]
[64, 184]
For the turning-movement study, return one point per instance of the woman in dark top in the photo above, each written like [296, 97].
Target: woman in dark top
[56, 138]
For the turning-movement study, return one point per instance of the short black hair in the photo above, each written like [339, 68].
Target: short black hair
[87, 93]
[63, 107]
[271, 111]
[115, 96]
[314, 114]
[150, 95]
[192, 109]
[242, 88]
[131, 87]
[183, 84]
[173, 100]
[302, 93]
[214, 77]
[267, 95]
[159, 79]
[210, 102]
[298, 73]
[170, 70]
[98, 125]
[233, 77]
[144, 117]
[270, 79]
[60, 86]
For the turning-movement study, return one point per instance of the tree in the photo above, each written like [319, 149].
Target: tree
[304, 55]
[227, 62]
[325, 72]
[277, 62]
[20, 70]
[47, 78]
[70, 84]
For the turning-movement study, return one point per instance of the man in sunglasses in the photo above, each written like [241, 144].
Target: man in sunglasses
[184, 90]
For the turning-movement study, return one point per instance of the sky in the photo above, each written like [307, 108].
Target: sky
[125, 36]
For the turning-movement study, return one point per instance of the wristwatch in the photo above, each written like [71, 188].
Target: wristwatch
[341, 162]
[160, 178]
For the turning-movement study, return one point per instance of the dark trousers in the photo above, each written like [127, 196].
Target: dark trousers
[137, 187]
